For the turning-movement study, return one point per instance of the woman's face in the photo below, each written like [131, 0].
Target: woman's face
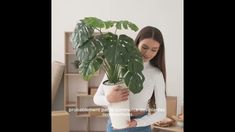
[148, 48]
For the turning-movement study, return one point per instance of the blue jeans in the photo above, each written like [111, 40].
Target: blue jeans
[133, 129]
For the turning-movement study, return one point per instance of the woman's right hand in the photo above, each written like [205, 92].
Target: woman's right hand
[118, 94]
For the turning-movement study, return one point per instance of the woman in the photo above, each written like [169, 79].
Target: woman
[151, 45]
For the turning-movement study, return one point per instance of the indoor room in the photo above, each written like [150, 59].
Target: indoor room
[138, 44]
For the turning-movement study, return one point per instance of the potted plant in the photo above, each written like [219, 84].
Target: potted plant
[116, 54]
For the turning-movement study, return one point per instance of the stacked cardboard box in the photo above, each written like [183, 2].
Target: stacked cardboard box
[60, 121]
[171, 105]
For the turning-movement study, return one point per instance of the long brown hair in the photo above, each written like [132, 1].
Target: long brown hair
[159, 60]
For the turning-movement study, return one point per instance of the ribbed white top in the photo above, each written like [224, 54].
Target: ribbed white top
[154, 81]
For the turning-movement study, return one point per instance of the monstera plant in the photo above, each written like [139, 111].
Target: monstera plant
[116, 54]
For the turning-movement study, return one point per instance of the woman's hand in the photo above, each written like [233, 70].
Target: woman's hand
[132, 123]
[118, 94]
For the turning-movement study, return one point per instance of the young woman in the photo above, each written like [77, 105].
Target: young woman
[151, 45]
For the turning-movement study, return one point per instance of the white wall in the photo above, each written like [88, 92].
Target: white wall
[167, 15]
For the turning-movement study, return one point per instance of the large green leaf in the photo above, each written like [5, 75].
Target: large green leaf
[124, 70]
[136, 62]
[132, 26]
[135, 66]
[89, 50]
[88, 68]
[124, 24]
[118, 25]
[115, 49]
[81, 34]
[134, 82]
[124, 42]
[111, 48]
[93, 22]
[109, 24]
[133, 54]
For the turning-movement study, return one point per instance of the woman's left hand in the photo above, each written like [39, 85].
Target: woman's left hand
[132, 123]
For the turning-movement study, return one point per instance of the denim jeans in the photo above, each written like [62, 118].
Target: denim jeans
[133, 129]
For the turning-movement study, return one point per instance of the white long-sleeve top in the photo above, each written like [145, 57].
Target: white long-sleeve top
[154, 82]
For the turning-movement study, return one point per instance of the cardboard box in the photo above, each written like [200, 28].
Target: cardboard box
[93, 90]
[95, 110]
[60, 121]
[171, 105]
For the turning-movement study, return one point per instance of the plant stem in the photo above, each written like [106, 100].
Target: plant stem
[116, 31]
[99, 30]
[106, 67]
[119, 70]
